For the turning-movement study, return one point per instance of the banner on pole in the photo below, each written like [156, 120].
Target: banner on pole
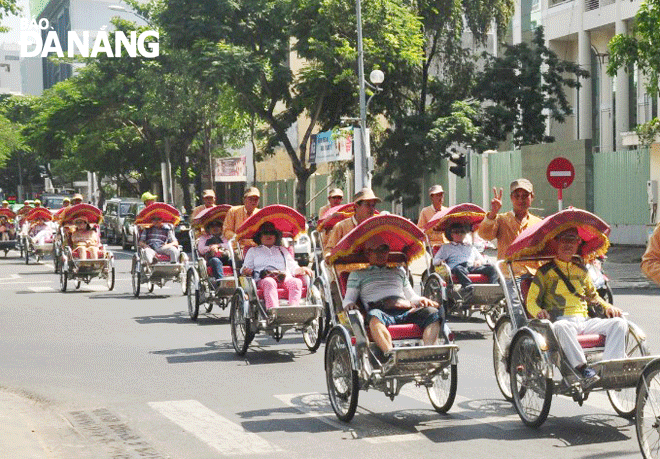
[230, 169]
[331, 146]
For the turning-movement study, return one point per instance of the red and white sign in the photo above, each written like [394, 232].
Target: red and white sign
[560, 173]
[230, 169]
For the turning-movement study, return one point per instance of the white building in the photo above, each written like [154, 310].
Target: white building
[579, 31]
[10, 69]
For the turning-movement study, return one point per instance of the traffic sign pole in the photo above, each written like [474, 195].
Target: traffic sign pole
[560, 174]
[560, 199]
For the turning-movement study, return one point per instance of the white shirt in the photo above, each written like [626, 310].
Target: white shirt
[275, 258]
[455, 253]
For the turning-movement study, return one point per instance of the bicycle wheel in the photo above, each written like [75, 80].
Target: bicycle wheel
[443, 392]
[241, 332]
[647, 411]
[342, 380]
[623, 400]
[531, 389]
[193, 296]
[501, 340]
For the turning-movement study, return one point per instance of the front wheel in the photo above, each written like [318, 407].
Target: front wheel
[443, 392]
[111, 279]
[135, 279]
[501, 341]
[27, 256]
[193, 296]
[63, 280]
[433, 288]
[313, 333]
[623, 400]
[647, 411]
[241, 332]
[530, 388]
[342, 380]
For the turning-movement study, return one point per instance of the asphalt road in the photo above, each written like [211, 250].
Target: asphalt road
[105, 375]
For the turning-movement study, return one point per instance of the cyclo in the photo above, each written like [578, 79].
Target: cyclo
[162, 269]
[201, 287]
[40, 243]
[248, 314]
[351, 362]
[7, 226]
[530, 365]
[73, 265]
[59, 236]
[438, 283]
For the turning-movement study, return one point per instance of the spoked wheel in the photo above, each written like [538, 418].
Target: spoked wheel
[77, 284]
[313, 333]
[241, 333]
[443, 392]
[183, 279]
[150, 287]
[111, 279]
[63, 280]
[56, 263]
[531, 390]
[326, 319]
[647, 411]
[342, 380]
[27, 256]
[501, 341]
[494, 314]
[135, 279]
[623, 400]
[193, 296]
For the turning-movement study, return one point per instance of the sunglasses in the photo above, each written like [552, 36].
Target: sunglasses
[459, 231]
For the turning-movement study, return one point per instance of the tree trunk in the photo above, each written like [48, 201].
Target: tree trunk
[185, 185]
[99, 178]
[301, 190]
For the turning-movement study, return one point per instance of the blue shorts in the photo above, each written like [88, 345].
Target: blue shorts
[422, 317]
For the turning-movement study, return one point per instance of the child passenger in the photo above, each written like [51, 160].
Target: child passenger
[463, 259]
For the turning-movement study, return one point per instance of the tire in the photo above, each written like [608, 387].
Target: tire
[531, 390]
[494, 314]
[77, 284]
[606, 293]
[647, 415]
[432, 289]
[443, 392]
[313, 334]
[326, 319]
[150, 287]
[341, 379]
[125, 245]
[135, 279]
[623, 400]
[193, 296]
[502, 334]
[241, 332]
[27, 256]
[63, 280]
[111, 279]
[56, 262]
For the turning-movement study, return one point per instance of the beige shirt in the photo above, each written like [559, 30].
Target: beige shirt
[340, 230]
[323, 210]
[197, 210]
[505, 228]
[233, 220]
[436, 237]
[651, 258]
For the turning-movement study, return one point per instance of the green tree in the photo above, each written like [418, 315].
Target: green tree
[247, 46]
[8, 8]
[642, 49]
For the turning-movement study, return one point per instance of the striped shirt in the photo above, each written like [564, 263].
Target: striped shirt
[375, 283]
[156, 237]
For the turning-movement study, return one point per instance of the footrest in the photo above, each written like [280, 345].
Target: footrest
[419, 360]
[292, 315]
[621, 373]
[486, 294]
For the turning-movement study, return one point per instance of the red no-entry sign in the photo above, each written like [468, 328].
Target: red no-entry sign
[560, 173]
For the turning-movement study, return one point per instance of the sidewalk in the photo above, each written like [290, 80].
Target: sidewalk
[622, 266]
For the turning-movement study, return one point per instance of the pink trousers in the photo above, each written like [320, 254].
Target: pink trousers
[293, 285]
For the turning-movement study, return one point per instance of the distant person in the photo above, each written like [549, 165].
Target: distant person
[76, 199]
[238, 214]
[365, 207]
[208, 197]
[335, 197]
[5, 204]
[437, 196]
[148, 198]
[213, 247]
[651, 258]
[6, 229]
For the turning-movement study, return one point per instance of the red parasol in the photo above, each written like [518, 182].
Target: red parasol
[6, 212]
[59, 214]
[39, 212]
[210, 214]
[334, 215]
[86, 211]
[166, 212]
[400, 234]
[470, 214]
[535, 240]
[24, 210]
[287, 220]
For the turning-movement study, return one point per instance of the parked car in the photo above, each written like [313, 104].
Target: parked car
[128, 233]
[53, 201]
[113, 216]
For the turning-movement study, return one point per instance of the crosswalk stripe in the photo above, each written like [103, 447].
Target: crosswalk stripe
[211, 428]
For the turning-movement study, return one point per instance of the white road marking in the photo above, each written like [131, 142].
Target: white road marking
[211, 428]
[41, 289]
[393, 438]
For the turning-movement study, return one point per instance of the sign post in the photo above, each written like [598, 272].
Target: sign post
[560, 174]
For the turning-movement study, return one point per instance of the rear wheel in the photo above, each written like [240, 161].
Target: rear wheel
[342, 380]
[531, 389]
[135, 279]
[63, 280]
[494, 314]
[313, 333]
[443, 392]
[124, 242]
[433, 288]
[77, 284]
[150, 287]
[501, 341]
[27, 256]
[623, 400]
[193, 296]
[241, 333]
[647, 411]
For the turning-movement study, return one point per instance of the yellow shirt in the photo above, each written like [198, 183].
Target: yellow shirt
[548, 291]
[435, 237]
[651, 258]
[233, 220]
